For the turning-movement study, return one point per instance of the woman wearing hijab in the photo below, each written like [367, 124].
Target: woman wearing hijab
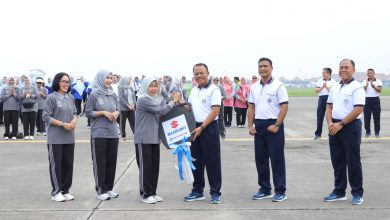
[103, 109]
[10, 97]
[240, 103]
[29, 113]
[228, 101]
[42, 94]
[150, 106]
[59, 114]
[221, 124]
[126, 104]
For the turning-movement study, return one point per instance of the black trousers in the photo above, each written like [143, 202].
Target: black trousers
[1, 113]
[40, 123]
[29, 119]
[104, 156]
[77, 103]
[61, 157]
[221, 124]
[130, 116]
[240, 116]
[227, 115]
[270, 146]
[206, 150]
[148, 160]
[321, 108]
[372, 106]
[345, 154]
[11, 117]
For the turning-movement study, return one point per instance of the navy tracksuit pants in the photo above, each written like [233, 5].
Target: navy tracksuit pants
[372, 106]
[345, 154]
[270, 146]
[206, 150]
[321, 108]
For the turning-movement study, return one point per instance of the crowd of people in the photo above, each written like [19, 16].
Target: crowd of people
[111, 100]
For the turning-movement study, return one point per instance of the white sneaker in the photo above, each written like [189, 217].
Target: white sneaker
[58, 197]
[31, 137]
[149, 200]
[38, 133]
[158, 198]
[6, 138]
[13, 138]
[44, 134]
[68, 197]
[103, 197]
[26, 138]
[113, 194]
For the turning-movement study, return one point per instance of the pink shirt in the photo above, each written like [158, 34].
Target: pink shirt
[242, 93]
[229, 95]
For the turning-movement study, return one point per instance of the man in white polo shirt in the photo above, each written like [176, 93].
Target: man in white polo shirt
[373, 87]
[268, 105]
[206, 150]
[323, 86]
[345, 104]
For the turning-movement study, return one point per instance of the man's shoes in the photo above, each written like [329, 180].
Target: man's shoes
[317, 137]
[334, 197]
[357, 200]
[215, 199]
[104, 197]
[148, 200]
[113, 194]
[194, 197]
[158, 198]
[58, 197]
[261, 195]
[68, 197]
[279, 197]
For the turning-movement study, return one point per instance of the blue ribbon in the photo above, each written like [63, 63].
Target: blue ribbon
[182, 150]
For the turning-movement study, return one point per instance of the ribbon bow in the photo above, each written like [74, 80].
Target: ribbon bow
[181, 151]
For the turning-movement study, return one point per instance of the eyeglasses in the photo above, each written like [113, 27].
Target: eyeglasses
[254, 77]
[65, 81]
[39, 83]
[216, 80]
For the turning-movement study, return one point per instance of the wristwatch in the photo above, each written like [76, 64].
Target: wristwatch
[62, 124]
[342, 123]
[277, 124]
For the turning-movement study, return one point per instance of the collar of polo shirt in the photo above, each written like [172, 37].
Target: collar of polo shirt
[269, 81]
[205, 85]
[341, 82]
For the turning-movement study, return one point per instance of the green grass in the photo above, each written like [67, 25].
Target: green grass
[307, 92]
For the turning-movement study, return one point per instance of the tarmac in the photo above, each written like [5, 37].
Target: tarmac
[25, 184]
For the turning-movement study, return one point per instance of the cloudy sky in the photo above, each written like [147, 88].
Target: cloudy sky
[155, 37]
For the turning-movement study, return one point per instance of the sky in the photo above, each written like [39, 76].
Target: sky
[154, 37]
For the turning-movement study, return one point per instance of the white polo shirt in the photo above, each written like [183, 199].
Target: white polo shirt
[344, 97]
[267, 98]
[370, 92]
[202, 99]
[324, 91]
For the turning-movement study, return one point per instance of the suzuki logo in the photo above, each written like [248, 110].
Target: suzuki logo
[174, 124]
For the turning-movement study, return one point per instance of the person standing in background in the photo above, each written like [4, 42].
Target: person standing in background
[11, 106]
[2, 86]
[323, 86]
[373, 88]
[126, 104]
[228, 102]
[77, 92]
[221, 125]
[29, 113]
[240, 103]
[42, 94]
